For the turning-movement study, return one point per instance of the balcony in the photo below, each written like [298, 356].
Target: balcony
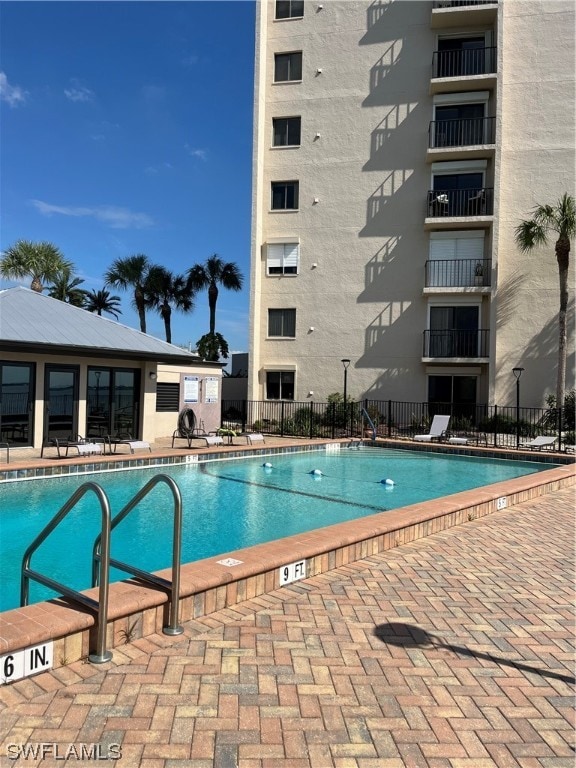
[462, 13]
[450, 206]
[461, 138]
[454, 275]
[451, 344]
[463, 69]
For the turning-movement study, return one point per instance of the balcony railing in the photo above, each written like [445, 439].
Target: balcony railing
[450, 343]
[443, 203]
[461, 132]
[458, 273]
[464, 62]
[461, 3]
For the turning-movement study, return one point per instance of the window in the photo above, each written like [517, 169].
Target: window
[282, 258]
[167, 397]
[17, 385]
[280, 385]
[285, 195]
[287, 67]
[454, 257]
[459, 125]
[289, 9]
[282, 323]
[286, 132]
[454, 331]
[453, 394]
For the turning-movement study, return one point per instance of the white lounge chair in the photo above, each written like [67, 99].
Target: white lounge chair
[210, 439]
[544, 441]
[438, 429]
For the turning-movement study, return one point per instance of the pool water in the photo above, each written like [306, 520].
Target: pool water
[227, 505]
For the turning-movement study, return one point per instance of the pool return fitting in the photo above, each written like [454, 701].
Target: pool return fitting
[101, 561]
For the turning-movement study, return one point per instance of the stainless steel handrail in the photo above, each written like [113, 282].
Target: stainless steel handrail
[101, 607]
[173, 627]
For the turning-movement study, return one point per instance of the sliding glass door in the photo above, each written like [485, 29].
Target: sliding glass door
[17, 383]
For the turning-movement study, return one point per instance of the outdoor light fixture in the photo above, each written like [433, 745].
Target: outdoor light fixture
[517, 373]
[152, 375]
[345, 363]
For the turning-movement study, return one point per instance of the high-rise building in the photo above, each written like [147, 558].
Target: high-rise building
[397, 145]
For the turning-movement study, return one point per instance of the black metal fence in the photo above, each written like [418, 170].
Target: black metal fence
[489, 425]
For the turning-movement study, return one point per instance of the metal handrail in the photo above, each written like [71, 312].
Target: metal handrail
[101, 607]
[172, 628]
[369, 420]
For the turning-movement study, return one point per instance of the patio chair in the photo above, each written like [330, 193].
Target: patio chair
[83, 445]
[127, 439]
[438, 430]
[252, 437]
[210, 439]
[186, 426]
[544, 441]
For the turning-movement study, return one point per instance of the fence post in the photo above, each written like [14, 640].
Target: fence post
[311, 419]
[244, 413]
[495, 426]
[333, 420]
[389, 418]
[282, 419]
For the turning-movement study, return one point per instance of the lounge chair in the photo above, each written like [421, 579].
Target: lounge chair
[186, 426]
[544, 441]
[126, 439]
[252, 437]
[210, 439]
[83, 445]
[438, 430]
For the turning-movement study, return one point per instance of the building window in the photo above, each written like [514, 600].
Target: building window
[285, 195]
[454, 394]
[17, 387]
[282, 323]
[282, 258]
[280, 385]
[167, 397]
[289, 9]
[286, 132]
[287, 67]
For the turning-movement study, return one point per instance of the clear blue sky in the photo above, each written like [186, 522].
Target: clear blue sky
[127, 128]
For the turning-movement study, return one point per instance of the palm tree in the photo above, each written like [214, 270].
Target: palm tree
[65, 288]
[41, 261]
[561, 220]
[102, 301]
[211, 274]
[163, 290]
[131, 272]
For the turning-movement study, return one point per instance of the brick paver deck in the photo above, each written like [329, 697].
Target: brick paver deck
[456, 651]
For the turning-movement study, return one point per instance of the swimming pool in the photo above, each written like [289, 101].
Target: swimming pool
[227, 505]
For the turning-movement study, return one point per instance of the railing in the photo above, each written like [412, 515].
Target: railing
[457, 273]
[173, 627]
[490, 425]
[462, 132]
[101, 607]
[477, 201]
[465, 62]
[453, 343]
[461, 3]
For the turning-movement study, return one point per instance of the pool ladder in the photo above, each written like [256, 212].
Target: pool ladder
[101, 561]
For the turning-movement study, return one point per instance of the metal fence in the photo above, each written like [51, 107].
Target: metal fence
[490, 425]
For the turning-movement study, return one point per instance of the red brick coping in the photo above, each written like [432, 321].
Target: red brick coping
[206, 586]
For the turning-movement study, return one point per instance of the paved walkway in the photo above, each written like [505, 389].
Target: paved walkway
[456, 651]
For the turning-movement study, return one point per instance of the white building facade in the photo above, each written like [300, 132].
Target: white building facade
[397, 145]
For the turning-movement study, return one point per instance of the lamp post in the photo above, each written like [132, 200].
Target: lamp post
[517, 373]
[345, 363]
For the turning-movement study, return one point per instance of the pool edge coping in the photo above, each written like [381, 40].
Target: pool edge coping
[136, 611]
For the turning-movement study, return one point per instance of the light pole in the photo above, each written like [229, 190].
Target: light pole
[517, 373]
[345, 363]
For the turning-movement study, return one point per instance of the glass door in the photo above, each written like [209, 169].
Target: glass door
[60, 402]
[16, 403]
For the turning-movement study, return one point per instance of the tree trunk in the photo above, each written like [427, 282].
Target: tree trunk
[36, 284]
[166, 313]
[563, 258]
[139, 301]
[212, 299]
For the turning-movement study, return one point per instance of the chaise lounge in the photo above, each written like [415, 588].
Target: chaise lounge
[438, 430]
[544, 441]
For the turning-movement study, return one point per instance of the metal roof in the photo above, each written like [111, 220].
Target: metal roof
[28, 318]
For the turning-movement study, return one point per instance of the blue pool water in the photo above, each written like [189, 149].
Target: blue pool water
[227, 505]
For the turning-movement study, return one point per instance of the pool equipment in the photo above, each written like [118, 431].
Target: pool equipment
[388, 482]
[317, 472]
[267, 465]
